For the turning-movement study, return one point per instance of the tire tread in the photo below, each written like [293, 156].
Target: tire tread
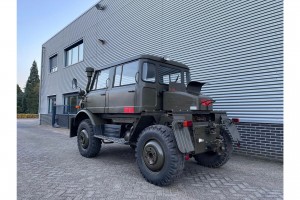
[214, 160]
[94, 143]
[176, 157]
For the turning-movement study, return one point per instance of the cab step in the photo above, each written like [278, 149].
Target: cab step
[111, 139]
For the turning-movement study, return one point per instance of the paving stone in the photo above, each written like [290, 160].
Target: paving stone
[49, 166]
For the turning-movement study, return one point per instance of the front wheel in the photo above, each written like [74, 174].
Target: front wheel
[217, 159]
[88, 145]
[157, 155]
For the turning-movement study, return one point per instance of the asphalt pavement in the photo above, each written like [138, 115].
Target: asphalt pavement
[49, 166]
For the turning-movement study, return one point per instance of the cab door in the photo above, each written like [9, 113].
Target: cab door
[122, 96]
[97, 98]
[149, 94]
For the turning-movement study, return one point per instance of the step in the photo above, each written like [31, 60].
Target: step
[112, 139]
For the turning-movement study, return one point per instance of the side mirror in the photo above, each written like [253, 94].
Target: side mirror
[74, 83]
[81, 93]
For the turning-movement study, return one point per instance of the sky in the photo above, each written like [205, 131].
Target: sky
[38, 21]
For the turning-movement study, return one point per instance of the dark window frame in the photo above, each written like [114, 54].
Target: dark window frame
[67, 107]
[70, 49]
[52, 69]
[50, 100]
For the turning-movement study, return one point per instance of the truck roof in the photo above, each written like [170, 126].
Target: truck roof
[146, 56]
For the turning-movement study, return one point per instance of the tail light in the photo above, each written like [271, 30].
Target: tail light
[187, 157]
[235, 120]
[187, 123]
[206, 102]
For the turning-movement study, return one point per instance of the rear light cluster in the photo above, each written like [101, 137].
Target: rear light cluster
[206, 102]
[235, 120]
[187, 123]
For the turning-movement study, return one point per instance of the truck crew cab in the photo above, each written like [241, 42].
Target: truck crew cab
[151, 104]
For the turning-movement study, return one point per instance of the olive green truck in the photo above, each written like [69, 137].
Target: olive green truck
[151, 104]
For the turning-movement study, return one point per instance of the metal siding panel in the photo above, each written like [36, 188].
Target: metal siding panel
[234, 46]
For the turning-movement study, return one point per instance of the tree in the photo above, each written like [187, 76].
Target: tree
[31, 94]
[20, 95]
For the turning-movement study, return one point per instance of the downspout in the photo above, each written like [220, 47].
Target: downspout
[41, 80]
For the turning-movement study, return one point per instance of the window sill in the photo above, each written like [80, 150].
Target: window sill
[52, 72]
[65, 67]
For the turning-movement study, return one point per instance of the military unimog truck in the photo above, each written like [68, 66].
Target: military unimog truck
[151, 104]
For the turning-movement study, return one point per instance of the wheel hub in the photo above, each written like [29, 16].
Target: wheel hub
[153, 155]
[84, 139]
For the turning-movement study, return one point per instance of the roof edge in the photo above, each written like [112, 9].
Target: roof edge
[72, 21]
[145, 56]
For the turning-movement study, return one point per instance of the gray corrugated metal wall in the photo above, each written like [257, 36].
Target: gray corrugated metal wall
[234, 46]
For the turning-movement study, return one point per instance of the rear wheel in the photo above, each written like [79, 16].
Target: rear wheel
[157, 155]
[88, 145]
[217, 159]
[132, 146]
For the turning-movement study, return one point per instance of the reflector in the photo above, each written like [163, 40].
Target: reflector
[235, 120]
[206, 102]
[187, 123]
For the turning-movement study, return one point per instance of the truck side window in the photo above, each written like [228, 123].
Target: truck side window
[176, 77]
[128, 73]
[168, 74]
[118, 76]
[149, 72]
[101, 79]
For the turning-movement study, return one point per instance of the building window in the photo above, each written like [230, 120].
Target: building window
[51, 103]
[74, 54]
[53, 63]
[70, 103]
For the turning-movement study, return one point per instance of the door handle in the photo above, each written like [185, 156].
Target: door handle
[131, 91]
[103, 94]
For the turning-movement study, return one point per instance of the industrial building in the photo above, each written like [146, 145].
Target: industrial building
[236, 47]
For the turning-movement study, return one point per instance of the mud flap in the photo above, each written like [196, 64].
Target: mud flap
[183, 137]
[73, 128]
[231, 128]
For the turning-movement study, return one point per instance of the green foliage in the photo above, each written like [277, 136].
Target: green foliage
[31, 94]
[20, 95]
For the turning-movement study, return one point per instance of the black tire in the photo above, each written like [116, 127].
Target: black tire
[133, 147]
[88, 145]
[157, 155]
[213, 159]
